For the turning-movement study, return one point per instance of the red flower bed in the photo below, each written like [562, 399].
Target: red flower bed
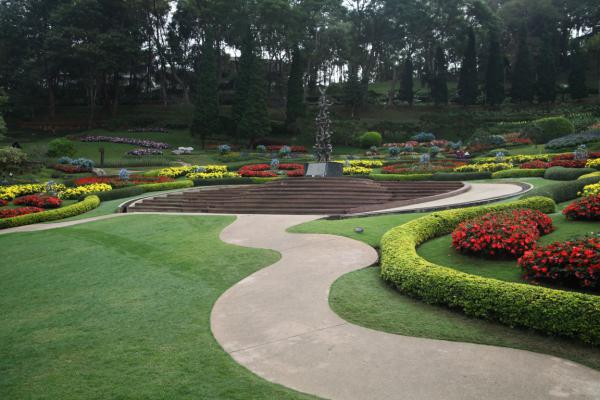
[296, 173]
[116, 181]
[569, 263]
[519, 140]
[38, 201]
[70, 169]
[3, 202]
[568, 163]
[536, 164]
[15, 212]
[564, 156]
[257, 171]
[501, 234]
[294, 149]
[584, 208]
[293, 170]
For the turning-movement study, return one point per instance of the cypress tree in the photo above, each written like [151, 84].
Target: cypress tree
[206, 111]
[467, 82]
[406, 82]
[295, 89]
[546, 73]
[353, 89]
[577, 71]
[439, 89]
[242, 82]
[254, 122]
[494, 76]
[523, 88]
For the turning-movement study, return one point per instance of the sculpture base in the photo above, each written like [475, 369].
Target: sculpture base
[322, 170]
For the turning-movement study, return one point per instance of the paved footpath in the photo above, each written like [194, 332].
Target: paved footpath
[277, 323]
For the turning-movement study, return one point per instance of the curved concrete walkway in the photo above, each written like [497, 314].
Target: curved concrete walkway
[277, 323]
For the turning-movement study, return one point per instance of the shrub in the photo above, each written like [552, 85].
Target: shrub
[89, 203]
[422, 137]
[574, 140]
[562, 191]
[565, 174]
[11, 159]
[38, 201]
[513, 304]
[60, 148]
[141, 189]
[592, 175]
[569, 263]
[518, 173]
[399, 178]
[369, 139]
[551, 128]
[587, 208]
[501, 234]
[461, 176]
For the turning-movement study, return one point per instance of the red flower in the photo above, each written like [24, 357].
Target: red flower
[116, 181]
[15, 212]
[584, 208]
[38, 201]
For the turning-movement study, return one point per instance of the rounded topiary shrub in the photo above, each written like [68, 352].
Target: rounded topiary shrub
[61, 148]
[565, 174]
[546, 129]
[370, 139]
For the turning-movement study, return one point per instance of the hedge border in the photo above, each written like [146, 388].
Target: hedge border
[562, 191]
[131, 191]
[87, 204]
[550, 311]
[519, 173]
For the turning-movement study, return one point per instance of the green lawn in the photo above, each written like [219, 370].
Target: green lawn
[120, 309]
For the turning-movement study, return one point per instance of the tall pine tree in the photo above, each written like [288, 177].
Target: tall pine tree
[406, 81]
[494, 76]
[467, 83]
[254, 122]
[242, 82]
[206, 103]
[439, 87]
[546, 72]
[295, 89]
[523, 88]
[577, 71]
[353, 89]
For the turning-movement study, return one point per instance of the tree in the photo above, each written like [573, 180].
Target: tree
[3, 101]
[546, 73]
[439, 87]
[242, 82]
[467, 83]
[593, 47]
[295, 89]
[577, 74]
[494, 77]
[353, 90]
[523, 88]
[206, 103]
[255, 122]
[406, 81]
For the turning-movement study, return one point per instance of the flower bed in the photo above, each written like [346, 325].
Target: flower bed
[117, 182]
[568, 163]
[487, 167]
[136, 142]
[257, 171]
[293, 149]
[10, 192]
[176, 172]
[145, 152]
[38, 201]
[568, 263]
[79, 191]
[71, 169]
[591, 190]
[505, 234]
[3, 203]
[357, 171]
[365, 163]
[593, 163]
[212, 175]
[89, 203]
[536, 164]
[587, 208]
[15, 212]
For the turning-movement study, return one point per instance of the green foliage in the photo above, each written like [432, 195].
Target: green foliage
[11, 159]
[546, 72]
[3, 101]
[461, 176]
[295, 89]
[494, 77]
[232, 181]
[554, 312]
[353, 92]
[566, 174]
[131, 191]
[370, 139]
[246, 67]
[400, 178]
[439, 85]
[577, 75]
[523, 88]
[518, 173]
[61, 148]
[468, 87]
[206, 120]
[406, 82]
[562, 191]
[89, 203]
[545, 129]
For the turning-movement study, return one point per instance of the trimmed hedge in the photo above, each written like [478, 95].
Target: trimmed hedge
[550, 311]
[566, 174]
[399, 178]
[89, 203]
[562, 191]
[141, 189]
[461, 176]
[232, 181]
[518, 173]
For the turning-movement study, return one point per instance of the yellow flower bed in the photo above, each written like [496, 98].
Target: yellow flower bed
[357, 171]
[76, 192]
[176, 172]
[516, 159]
[488, 167]
[365, 163]
[591, 175]
[593, 163]
[10, 192]
[591, 190]
[212, 175]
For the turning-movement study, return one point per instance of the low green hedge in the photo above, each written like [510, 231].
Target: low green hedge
[566, 174]
[518, 173]
[550, 311]
[398, 177]
[562, 191]
[461, 176]
[232, 181]
[87, 204]
[141, 189]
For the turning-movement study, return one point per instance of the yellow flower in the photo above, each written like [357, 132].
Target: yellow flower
[212, 175]
[591, 190]
[76, 192]
[10, 192]
[593, 163]
[488, 167]
[357, 171]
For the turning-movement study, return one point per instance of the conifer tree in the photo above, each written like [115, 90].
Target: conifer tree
[523, 88]
[467, 83]
[577, 75]
[494, 77]
[546, 73]
[295, 89]
[439, 88]
[242, 82]
[406, 81]
[254, 122]
[353, 89]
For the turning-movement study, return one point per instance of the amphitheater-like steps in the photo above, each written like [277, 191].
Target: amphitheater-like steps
[331, 196]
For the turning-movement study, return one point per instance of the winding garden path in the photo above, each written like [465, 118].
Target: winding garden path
[277, 323]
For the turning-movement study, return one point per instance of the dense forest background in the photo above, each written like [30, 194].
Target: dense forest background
[86, 60]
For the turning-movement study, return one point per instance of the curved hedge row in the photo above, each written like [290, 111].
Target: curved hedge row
[562, 191]
[89, 203]
[551, 311]
[131, 191]
[518, 173]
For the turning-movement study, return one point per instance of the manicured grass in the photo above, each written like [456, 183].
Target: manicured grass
[440, 251]
[362, 298]
[120, 309]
